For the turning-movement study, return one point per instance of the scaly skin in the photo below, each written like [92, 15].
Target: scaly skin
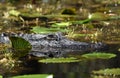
[54, 43]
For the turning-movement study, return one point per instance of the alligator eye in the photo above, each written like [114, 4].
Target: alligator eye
[50, 36]
[50, 55]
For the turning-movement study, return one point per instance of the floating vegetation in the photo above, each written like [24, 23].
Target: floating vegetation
[1, 77]
[20, 46]
[112, 71]
[62, 24]
[99, 55]
[59, 60]
[80, 35]
[19, 43]
[4, 47]
[34, 76]
[14, 12]
[8, 62]
[43, 30]
[30, 15]
[81, 21]
[98, 16]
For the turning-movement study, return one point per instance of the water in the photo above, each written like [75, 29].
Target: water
[82, 69]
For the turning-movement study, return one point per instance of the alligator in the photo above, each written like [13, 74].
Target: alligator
[54, 45]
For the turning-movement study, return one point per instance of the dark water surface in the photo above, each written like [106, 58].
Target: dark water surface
[82, 69]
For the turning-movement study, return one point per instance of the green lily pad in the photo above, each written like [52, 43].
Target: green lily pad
[59, 60]
[113, 71]
[98, 16]
[43, 30]
[30, 15]
[1, 77]
[99, 55]
[81, 21]
[34, 76]
[81, 35]
[62, 24]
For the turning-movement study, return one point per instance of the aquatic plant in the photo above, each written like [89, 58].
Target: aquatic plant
[30, 15]
[97, 55]
[20, 47]
[98, 16]
[19, 43]
[59, 60]
[108, 71]
[14, 12]
[81, 21]
[43, 30]
[34, 76]
[61, 24]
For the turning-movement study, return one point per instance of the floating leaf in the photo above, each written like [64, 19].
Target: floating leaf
[81, 21]
[59, 15]
[61, 24]
[113, 71]
[98, 16]
[30, 15]
[59, 60]
[81, 35]
[1, 76]
[99, 55]
[43, 30]
[34, 76]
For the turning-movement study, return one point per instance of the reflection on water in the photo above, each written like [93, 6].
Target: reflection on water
[82, 69]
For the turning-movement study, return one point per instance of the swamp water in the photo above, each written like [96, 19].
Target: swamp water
[107, 29]
[84, 68]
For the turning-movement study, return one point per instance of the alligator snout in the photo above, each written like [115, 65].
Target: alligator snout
[99, 46]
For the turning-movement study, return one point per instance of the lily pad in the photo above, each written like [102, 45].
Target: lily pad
[62, 24]
[98, 16]
[81, 35]
[81, 21]
[30, 14]
[34, 76]
[1, 77]
[59, 60]
[99, 55]
[113, 71]
[43, 30]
